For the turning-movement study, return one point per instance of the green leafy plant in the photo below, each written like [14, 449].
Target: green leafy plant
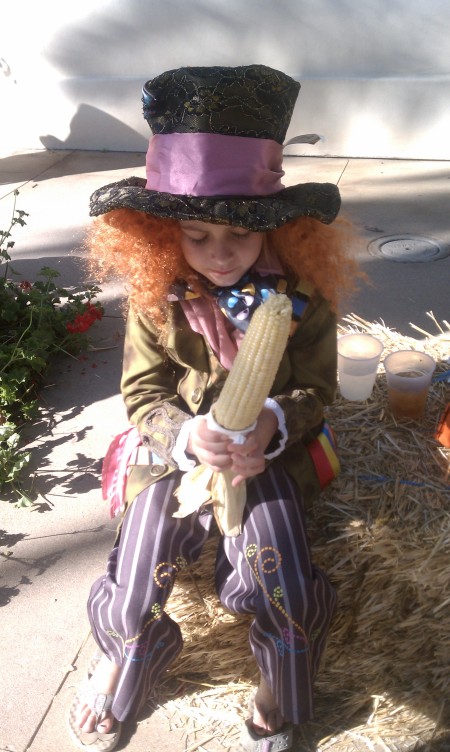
[37, 320]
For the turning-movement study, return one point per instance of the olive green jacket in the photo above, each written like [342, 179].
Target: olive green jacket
[165, 386]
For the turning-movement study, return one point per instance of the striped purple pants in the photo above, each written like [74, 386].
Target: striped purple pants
[266, 571]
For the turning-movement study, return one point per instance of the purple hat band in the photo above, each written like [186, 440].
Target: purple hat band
[212, 164]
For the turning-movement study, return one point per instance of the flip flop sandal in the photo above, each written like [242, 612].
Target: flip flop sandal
[94, 741]
[250, 741]
[276, 741]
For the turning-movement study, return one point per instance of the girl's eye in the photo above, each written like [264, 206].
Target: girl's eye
[196, 241]
[241, 234]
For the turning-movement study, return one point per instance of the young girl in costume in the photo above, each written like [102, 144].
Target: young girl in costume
[201, 243]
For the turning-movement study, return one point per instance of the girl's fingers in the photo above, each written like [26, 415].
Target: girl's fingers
[245, 449]
[214, 460]
[242, 475]
[210, 449]
[218, 466]
[215, 450]
[247, 466]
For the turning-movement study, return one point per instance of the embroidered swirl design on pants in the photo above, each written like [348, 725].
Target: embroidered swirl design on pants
[164, 577]
[267, 561]
[165, 572]
[141, 653]
[289, 643]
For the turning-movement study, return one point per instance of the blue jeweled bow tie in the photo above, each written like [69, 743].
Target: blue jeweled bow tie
[238, 302]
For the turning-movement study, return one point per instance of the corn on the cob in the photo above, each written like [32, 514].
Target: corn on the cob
[255, 366]
[237, 409]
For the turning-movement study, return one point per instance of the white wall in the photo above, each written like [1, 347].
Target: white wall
[375, 74]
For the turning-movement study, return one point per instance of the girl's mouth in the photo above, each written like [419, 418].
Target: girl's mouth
[222, 272]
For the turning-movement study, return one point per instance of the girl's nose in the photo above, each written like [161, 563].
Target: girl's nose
[221, 250]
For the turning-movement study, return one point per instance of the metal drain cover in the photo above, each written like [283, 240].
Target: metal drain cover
[409, 248]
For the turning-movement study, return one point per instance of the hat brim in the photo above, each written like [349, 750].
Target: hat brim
[320, 201]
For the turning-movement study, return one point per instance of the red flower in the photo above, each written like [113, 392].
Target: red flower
[95, 311]
[83, 321]
[25, 285]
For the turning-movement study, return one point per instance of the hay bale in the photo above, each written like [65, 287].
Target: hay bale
[382, 533]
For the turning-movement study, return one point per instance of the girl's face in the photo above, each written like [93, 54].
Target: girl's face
[221, 253]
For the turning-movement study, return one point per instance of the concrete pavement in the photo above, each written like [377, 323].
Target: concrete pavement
[51, 553]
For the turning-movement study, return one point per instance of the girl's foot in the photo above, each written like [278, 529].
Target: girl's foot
[266, 715]
[103, 681]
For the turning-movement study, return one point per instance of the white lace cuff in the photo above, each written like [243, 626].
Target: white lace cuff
[179, 451]
[275, 407]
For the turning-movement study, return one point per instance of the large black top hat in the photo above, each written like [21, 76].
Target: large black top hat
[216, 151]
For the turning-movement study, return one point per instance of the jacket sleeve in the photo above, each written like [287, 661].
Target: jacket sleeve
[308, 370]
[149, 388]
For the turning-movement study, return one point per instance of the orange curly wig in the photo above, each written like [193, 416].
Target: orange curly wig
[146, 252]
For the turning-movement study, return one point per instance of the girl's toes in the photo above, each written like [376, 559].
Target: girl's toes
[105, 724]
[86, 719]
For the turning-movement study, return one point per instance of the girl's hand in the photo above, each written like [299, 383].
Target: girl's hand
[210, 447]
[248, 459]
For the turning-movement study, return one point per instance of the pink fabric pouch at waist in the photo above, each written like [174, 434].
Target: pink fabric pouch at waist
[115, 469]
